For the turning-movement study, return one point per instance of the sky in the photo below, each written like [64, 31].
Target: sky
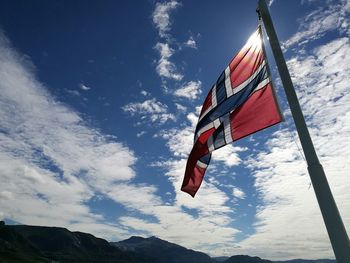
[99, 102]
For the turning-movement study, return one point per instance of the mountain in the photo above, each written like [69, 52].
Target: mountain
[15, 248]
[220, 259]
[308, 261]
[156, 250]
[246, 259]
[47, 244]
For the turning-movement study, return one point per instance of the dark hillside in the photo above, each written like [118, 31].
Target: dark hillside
[45, 244]
[156, 250]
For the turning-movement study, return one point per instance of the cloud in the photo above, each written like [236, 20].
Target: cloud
[151, 109]
[50, 157]
[180, 140]
[335, 16]
[191, 43]
[190, 90]
[161, 19]
[75, 93]
[84, 87]
[161, 16]
[145, 93]
[237, 192]
[180, 107]
[229, 155]
[165, 68]
[141, 133]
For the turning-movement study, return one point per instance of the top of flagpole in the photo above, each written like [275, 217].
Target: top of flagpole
[293, 101]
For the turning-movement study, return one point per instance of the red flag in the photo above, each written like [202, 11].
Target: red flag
[241, 102]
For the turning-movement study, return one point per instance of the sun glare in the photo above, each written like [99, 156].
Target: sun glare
[255, 40]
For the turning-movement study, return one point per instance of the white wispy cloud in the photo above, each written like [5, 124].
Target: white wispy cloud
[84, 87]
[180, 140]
[190, 90]
[165, 68]
[49, 156]
[141, 133]
[151, 109]
[180, 107]
[145, 93]
[191, 42]
[72, 92]
[229, 155]
[334, 16]
[237, 192]
[161, 16]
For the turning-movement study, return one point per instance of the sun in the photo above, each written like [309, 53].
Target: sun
[255, 41]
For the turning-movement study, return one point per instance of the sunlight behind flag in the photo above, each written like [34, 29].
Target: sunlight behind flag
[255, 41]
[240, 103]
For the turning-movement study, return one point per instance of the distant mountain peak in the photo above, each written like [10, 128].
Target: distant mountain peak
[246, 259]
[134, 239]
[156, 250]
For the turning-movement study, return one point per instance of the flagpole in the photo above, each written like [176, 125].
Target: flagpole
[332, 219]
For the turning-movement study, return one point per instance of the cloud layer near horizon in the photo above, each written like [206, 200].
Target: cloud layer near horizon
[52, 161]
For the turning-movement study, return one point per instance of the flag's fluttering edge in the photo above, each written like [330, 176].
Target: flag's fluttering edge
[241, 102]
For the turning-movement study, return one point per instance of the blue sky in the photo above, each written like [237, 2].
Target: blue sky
[98, 106]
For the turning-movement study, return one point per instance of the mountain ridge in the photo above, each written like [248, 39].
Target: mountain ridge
[29, 244]
[156, 250]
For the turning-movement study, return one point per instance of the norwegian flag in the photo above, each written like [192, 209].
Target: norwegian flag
[241, 102]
